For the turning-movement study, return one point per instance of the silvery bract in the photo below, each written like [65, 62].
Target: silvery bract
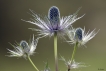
[23, 49]
[79, 35]
[53, 22]
[74, 65]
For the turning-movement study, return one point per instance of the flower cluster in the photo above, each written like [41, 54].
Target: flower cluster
[54, 25]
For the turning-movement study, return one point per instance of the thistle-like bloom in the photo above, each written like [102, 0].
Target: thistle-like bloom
[53, 23]
[23, 49]
[74, 65]
[79, 35]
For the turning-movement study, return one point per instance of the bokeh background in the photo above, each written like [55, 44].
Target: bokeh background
[12, 29]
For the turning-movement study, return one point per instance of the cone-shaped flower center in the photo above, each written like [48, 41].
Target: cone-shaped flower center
[54, 16]
[25, 46]
[78, 34]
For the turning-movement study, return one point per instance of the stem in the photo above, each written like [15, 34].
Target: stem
[55, 50]
[32, 63]
[73, 54]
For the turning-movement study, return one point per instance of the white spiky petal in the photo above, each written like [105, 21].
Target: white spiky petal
[18, 52]
[72, 64]
[75, 65]
[33, 46]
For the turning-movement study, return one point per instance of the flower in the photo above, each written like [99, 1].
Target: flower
[53, 23]
[74, 65]
[23, 49]
[79, 35]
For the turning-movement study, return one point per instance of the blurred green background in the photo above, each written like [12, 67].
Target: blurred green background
[12, 29]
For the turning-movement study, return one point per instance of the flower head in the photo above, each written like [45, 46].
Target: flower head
[79, 35]
[74, 65]
[53, 22]
[23, 49]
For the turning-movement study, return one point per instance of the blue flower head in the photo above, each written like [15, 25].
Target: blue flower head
[53, 23]
[54, 15]
[79, 35]
[25, 46]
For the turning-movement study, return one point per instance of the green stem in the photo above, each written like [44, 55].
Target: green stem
[32, 63]
[73, 54]
[55, 50]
